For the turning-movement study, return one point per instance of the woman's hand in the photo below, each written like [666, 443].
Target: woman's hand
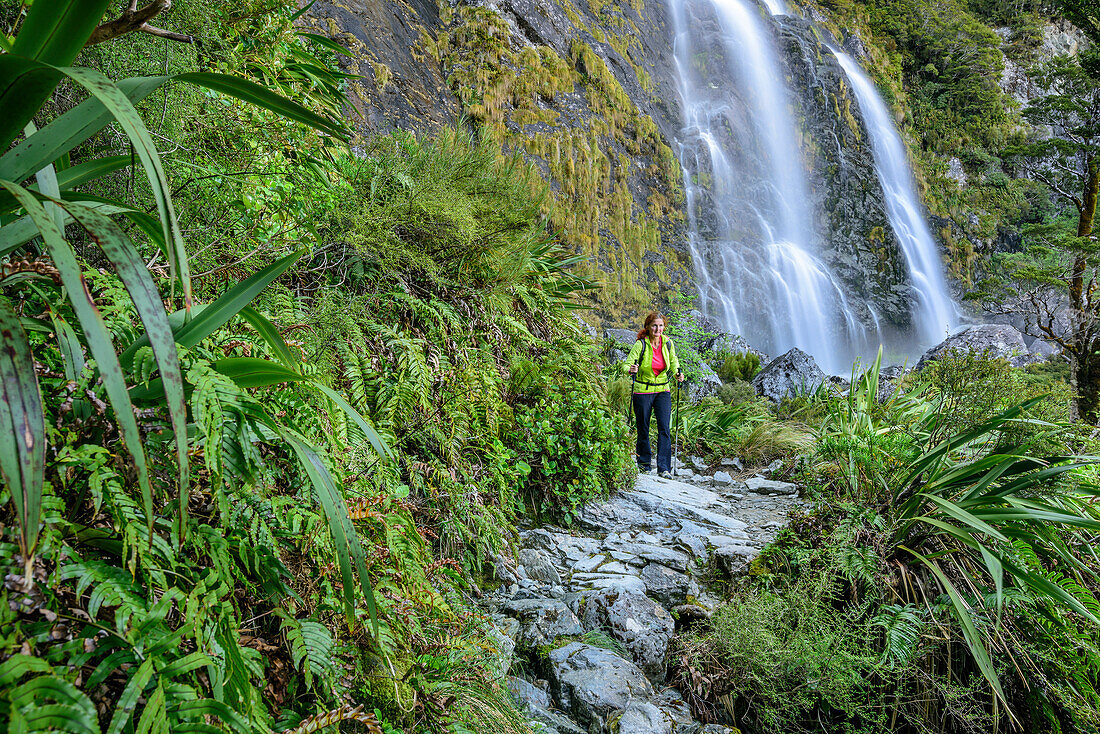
[680, 376]
[632, 369]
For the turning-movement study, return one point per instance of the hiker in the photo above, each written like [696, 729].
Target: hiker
[652, 359]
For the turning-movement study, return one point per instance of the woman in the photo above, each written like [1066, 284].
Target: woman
[652, 359]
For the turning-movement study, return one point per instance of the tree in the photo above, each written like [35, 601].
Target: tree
[1053, 282]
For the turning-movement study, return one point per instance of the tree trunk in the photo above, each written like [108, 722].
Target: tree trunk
[1085, 364]
[1086, 382]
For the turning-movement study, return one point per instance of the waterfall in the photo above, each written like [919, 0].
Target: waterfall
[937, 314]
[752, 233]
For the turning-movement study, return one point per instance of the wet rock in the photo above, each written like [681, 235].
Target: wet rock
[542, 621]
[667, 586]
[1044, 349]
[591, 683]
[704, 384]
[644, 718]
[995, 340]
[527, 695]
[538, 566]
[788, 375]
[721, 477]
[735, 558]
[760, 485]
[623, 337]
[504, 647]
[632, 618]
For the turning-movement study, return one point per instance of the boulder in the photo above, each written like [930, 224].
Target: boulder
[888, 378]
[632, 618]
[735, 558]
[542, 621]
[585, 327]
[722, 477]
[538, 566]
[625, 338]
[1044, 348]
[504, 646]
[527, 695]
[592, 683]
[995, 340]
[705, 384]
[668, 586]
[644, 718]
[759, 485]
[788, 375]
[731, 344]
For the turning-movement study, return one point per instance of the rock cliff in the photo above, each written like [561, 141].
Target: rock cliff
[587, 91]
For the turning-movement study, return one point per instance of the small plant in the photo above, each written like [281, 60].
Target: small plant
[739, 367]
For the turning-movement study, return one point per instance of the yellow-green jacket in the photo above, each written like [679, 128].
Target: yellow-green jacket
[646, 381]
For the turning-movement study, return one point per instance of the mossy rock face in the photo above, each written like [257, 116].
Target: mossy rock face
[583, 88]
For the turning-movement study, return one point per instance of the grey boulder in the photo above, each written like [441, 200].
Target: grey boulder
[668, 586]
[542, 621]
[641, 624]
[538, 566]
[995, 340]
[644, 718]
[592, 683]
[623, 337]
[788, 375]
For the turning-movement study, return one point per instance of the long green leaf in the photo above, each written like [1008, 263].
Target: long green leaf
[973, 521]
[215, 315]
[270, 334]
[255, 372]
[22, 430]
[63, 133]
[139, 284]
[95, 333]
[973, 639]
[130, 121]
[128, 701]
[247, 91]
[71, 353]
[53, 33]
[349, 551]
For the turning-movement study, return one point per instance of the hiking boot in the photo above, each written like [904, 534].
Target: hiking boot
[664, 474]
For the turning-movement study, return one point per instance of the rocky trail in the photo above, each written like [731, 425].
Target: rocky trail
[633, 568]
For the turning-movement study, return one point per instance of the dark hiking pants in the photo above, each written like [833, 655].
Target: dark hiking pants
[645, 405]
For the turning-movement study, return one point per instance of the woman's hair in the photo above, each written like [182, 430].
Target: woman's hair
[649, 319]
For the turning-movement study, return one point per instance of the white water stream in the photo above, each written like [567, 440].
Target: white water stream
[753, 237]
[755, 259]
[936, 314]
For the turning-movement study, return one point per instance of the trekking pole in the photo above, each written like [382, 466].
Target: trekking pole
[676, 427]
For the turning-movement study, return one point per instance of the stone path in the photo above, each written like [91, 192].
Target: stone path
[630, 565]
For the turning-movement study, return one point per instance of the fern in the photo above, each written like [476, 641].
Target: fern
[901, 628]
[110, 586]
[311, 649]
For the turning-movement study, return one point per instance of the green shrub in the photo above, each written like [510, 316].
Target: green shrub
[572, 447]
[783, 662]
[736, 392]
[739, 367]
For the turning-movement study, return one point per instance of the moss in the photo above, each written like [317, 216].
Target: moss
[382, 75]
[508, 93]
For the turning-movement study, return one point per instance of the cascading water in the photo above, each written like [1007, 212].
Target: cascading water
[752, 230]
[937, 313]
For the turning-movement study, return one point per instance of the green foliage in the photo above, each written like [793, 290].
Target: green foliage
[738, 367]
[782, 662]
[736, 392]
[577, 448]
